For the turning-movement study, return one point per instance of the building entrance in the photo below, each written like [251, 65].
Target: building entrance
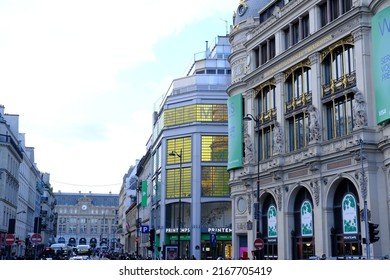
[222, 249]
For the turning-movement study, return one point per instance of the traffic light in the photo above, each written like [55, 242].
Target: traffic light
[373, 232]
[151, 240]
[151, 236]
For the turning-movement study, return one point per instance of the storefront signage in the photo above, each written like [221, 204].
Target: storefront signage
[175, 230]
[210, 229]
[219, 230]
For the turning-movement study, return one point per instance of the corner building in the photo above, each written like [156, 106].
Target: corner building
[190, 193]
[302, 77]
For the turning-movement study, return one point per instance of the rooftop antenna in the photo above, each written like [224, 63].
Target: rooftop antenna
[226, 25]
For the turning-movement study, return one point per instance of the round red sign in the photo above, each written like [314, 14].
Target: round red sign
[259, 243]
[9, 239]
[36, 238]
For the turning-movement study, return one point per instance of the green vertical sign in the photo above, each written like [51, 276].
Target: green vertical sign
[306, 218]
[234, 105]
[381, 63]
[144, 201]
[349, 212]
[272, 222]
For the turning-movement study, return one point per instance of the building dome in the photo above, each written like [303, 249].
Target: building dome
[248, 8]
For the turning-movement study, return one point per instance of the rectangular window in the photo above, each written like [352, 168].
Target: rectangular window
[72, 229]
[263, 53]
[265, 99]
[295, 33]
[286, 37]
[298, 132]
[305, 26]
[62, 229]
[215, 181]
[265, 149]
[83, 229]
[257, 56]
[334, 9]
[272, 48]
[347, 5]
[181, 147]
[94, 230]
[289, 89]
[326, 72]
[337, 65]
[214, 148]
[104, 229]
[159, 158]
[339, 118]
[349, 58]
[175, 187]
[298, 83]
[323, 14]
[306, 80]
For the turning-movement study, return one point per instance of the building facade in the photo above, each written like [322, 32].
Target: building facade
[11, 157]
[88, 218]
[190, 195]
[309, 158]
[24, 193]
[143, 209]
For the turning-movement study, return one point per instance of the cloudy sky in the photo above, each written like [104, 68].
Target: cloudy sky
[84, 76]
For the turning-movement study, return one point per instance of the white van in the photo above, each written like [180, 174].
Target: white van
[83, 250]
[66, 250]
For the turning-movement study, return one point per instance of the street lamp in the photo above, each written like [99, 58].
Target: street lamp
[364, 191]
[20, 212]
[180, 156]
[250, 117]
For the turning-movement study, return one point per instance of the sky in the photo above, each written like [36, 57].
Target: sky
[85, 76]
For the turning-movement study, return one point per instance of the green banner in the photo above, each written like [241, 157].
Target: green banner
[235, 131]
[306, 218]
[272, 222]
[381, 63]
[350, 217]
[144, 201]
[185, 237]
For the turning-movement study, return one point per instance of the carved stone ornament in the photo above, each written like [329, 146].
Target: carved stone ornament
[359, 110]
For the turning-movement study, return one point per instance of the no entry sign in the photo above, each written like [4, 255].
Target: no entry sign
[259, 243]
[9, 239]
[36, 238]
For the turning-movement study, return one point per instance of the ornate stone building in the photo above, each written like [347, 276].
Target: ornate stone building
[313, 147]
[88, 218]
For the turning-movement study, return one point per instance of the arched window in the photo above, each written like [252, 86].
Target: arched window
[338, 67]
[303, 233]
[345, 235]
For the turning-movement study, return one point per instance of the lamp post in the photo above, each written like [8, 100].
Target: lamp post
[250, 117]
[180, 156]
[364, 192]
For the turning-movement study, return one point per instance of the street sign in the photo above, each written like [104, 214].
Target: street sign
[9, 239]
[36, 238]
[145, 228]
[258, 243]
[213, 239]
